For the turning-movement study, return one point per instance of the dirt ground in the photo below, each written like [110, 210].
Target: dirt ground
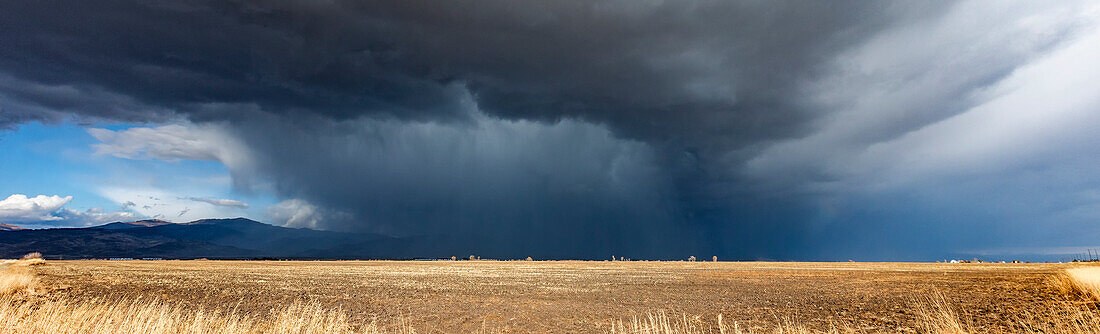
[572, 296]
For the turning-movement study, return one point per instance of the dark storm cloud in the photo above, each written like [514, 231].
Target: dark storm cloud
[654, 127]
[568, 189]
[684, 71]
[686, 79]
[24, 101]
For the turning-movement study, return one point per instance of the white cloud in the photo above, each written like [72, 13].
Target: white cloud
[220, 202]
[1043, 111]
[295, 213]
[184, 141]
[952, 95]
[49, 211]
[20, 208]
[172, 206]
[169, 142]
[94, 216]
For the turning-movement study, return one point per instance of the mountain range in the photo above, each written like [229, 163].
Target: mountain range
[241, 238]
[6, 227]
[207, 238]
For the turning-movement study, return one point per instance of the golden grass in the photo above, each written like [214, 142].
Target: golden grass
[16, 276]
[14, 282]
[32, 255]
[660, 323]
[1061, 318]
[935, 313]
[20, 315]
[40, 313]
[937, 316]
[31, 262]
[1086, 280]
[64, 316]
[32, 259]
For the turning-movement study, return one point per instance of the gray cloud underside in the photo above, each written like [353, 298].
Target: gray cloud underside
[631, 126]
[673, 71]
[220, 202]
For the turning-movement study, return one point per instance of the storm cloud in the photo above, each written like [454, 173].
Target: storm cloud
[577, 129]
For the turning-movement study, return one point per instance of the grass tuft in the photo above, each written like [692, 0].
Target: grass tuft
[12, 282]
[31, 256]
[1085, 280]
[17, 276]
[938, 317]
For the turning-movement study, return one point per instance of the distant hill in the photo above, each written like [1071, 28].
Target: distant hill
[209, 238]
[140, 223]
[6, 227]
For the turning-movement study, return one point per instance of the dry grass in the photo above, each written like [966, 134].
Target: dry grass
[1061, 318]
[938, 317]
[33, 255]
[1086, 281]
[568, 296]
[1075, 315]
[17, 276]
[32, 259]
[27, 314]
[31, 262]
[13, 282]
[935, 313]
[65, 316]
[660, 323]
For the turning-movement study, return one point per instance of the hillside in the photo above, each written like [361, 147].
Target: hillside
[6, 227]
[210, 238]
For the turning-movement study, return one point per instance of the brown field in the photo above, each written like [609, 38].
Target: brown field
[577, 296]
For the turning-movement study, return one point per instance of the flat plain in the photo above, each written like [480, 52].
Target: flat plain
[576, 296]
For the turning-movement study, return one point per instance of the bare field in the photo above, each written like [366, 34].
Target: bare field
[575, 296]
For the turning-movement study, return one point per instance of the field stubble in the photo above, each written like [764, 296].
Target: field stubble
[575, 296]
